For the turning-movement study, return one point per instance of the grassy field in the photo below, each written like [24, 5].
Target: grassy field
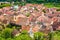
[50, 5]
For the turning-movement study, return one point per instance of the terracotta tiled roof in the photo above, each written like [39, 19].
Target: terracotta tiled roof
[51, 15]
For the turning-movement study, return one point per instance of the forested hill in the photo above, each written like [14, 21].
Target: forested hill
[32, 0]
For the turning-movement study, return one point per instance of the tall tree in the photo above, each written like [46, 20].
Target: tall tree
[23, 0]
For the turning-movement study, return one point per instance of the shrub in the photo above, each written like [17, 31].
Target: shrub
[9, 26]
[16, 3]
[38, 36]
[17, 38]
[23, 36]
[1, 28]
[9, 39]
[22, 3]
[6, 33]
[50, 35]
[56, 35]
[24, 32]
[12, 25]
[2, 38]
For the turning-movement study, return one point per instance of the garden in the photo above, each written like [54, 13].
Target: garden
[7, 34]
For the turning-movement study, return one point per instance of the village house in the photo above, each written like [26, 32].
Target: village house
[32, 16]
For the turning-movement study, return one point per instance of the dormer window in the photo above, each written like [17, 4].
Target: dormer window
[52, 12]
[50, 16]
[58, 15]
